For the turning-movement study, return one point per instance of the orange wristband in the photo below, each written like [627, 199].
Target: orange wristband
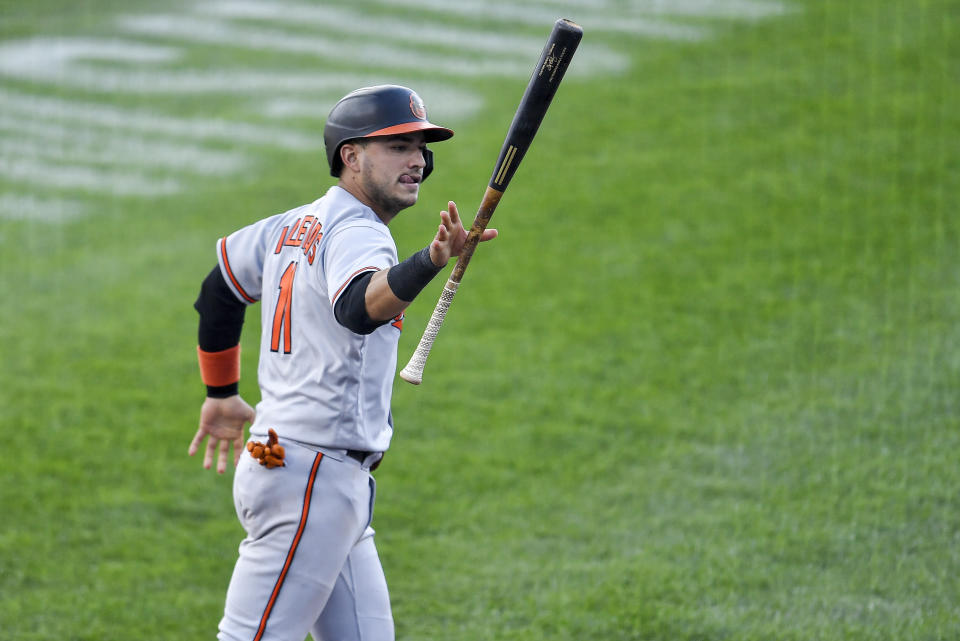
[219, 368]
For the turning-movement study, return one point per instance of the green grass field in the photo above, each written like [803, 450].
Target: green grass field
[705, 387]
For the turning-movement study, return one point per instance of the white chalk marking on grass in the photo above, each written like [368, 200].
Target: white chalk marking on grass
[541, 15]
[42, 51]
[442, 101]
[30, 207]
[102, 115]
[370, 54]
[734, 9]
[120, 183]
[394, 29]
[606, 9]
[52, 60]
[53, 141]
[504, 54]
[65, 72]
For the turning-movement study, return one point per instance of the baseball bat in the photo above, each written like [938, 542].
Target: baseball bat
[543, 84]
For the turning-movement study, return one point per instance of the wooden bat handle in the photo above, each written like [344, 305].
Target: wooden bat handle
[413, 372]
[491, 198]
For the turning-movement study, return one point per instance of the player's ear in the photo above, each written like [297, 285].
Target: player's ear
[350, 155]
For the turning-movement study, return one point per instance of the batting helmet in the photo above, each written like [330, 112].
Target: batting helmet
[383, 110]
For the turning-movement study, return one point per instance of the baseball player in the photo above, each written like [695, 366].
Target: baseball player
[332, 295]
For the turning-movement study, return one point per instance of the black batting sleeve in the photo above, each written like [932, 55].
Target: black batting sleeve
[405, 280]
[221, 321]
[408, 279]
[351, 308]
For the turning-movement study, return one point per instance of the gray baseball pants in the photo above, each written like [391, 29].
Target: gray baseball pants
[308, 563]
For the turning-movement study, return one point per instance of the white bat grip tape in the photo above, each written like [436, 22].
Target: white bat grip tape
[413, 372]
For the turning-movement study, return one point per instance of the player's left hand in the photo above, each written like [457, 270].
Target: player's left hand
[222, 419]
[451, 236]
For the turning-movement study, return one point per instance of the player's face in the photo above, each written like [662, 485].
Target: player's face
[391, 171]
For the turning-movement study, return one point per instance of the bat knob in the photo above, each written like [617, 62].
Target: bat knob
[411, 376]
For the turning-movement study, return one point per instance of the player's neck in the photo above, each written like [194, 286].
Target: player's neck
[356, 190]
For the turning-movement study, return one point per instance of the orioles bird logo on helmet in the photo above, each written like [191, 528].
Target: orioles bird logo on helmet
[417, 108]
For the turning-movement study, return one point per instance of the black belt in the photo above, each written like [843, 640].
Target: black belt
[358, 455]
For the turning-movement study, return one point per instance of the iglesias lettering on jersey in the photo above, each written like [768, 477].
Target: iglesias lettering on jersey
[305, 234]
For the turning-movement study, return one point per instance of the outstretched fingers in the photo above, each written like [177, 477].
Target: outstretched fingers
[195, 443]
[451, 235]
[452, 222]
[224, 448]
[208, 453]
[453, 213]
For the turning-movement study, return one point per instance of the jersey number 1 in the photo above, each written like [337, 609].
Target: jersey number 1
[282, 314]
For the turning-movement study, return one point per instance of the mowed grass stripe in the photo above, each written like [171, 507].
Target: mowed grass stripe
[70, 144]
[731, 9]
[143, 121]
[59, 62]
[22, 206]
[340, 20]
[371, 54]
[543, 14]
[444, 103]
[59, 175]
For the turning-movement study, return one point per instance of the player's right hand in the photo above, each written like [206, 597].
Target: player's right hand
[222, 419]
[451, 236]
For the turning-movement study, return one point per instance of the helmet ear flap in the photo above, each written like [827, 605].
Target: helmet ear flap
[427, 163]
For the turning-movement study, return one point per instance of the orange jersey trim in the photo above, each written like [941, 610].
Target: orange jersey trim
[219, 368]
[233, 279]
[293, 548]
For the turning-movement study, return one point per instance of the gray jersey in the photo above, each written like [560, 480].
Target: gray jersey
[321, 384]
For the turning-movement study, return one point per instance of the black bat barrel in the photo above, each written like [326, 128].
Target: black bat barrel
[546, 77]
